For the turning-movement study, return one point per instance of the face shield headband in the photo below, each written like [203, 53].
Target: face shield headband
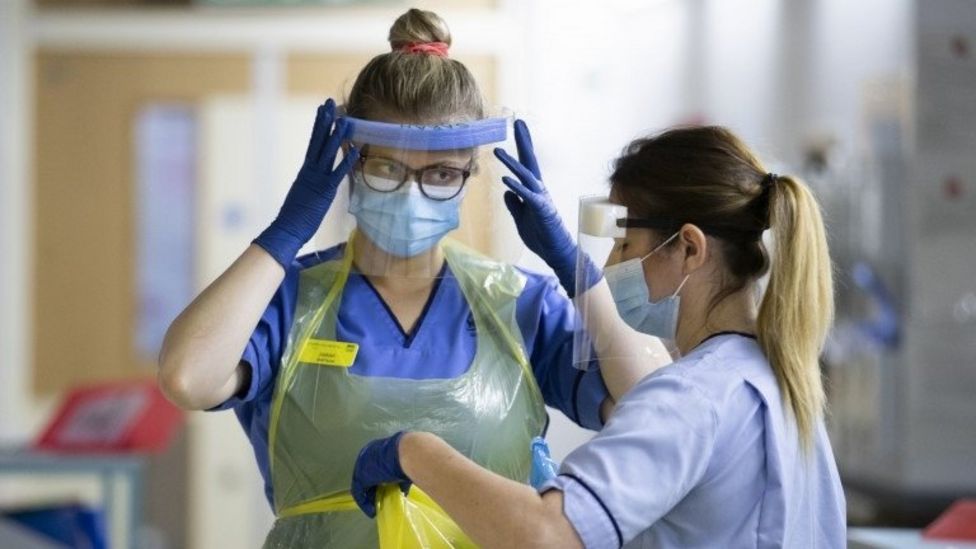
[436, 137]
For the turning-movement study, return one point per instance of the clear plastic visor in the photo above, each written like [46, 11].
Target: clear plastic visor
[610, 311]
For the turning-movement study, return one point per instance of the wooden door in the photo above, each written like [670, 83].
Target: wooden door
[84, 263]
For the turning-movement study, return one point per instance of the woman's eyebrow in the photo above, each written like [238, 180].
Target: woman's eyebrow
[448, 163]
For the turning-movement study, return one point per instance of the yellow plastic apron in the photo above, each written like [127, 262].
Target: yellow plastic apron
[322, 415]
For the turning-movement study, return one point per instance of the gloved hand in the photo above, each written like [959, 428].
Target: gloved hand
[544, 467]
[378, 463]
[314, 188]
[536, 217]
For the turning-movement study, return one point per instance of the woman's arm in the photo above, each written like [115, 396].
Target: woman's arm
[199, 365]
[655, 450]
[625, 355]
[493, 510]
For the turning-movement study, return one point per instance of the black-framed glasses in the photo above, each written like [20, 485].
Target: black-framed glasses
[437, 182]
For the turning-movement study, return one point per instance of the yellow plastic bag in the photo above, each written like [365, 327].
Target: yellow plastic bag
[415, 522]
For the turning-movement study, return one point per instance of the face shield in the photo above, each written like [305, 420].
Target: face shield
[615, 314]
[416, 188]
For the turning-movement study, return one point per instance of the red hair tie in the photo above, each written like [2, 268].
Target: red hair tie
[433, 48]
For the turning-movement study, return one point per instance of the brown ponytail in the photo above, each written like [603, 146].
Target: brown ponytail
[708, 177]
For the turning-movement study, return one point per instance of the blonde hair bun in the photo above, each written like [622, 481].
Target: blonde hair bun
[417, 81]
[418, 26]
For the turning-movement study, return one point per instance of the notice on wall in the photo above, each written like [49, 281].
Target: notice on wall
[165, 185]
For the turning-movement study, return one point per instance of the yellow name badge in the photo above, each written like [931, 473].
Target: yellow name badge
[329, 353]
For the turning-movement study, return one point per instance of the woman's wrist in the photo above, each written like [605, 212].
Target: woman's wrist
[410, 444]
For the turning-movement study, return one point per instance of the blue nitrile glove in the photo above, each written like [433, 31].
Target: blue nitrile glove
[313, 190]
[378, 463]
[536, 217]
[543, 466]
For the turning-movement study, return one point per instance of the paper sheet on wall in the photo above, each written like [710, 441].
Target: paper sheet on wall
[165, 185]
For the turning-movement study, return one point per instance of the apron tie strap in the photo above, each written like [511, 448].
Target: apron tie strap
[339, 502]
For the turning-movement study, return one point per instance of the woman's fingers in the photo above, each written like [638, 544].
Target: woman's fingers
[320, 131]
[517, 188]
[513, 203]
[526, 152]
[528, 178]
[327, 157]
[535, 200]
[344, 167]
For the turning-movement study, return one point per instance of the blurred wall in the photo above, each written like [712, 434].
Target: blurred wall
[777, 72]
[15, 218]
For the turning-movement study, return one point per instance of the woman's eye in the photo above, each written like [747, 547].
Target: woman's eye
[442, 176]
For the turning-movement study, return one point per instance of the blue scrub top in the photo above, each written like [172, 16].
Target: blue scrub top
[701, 454]
[441, 345]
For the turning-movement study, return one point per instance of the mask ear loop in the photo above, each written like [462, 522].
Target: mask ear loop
[682, 285]
[659, 246]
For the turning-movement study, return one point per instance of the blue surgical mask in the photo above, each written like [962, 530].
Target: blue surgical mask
[632, 298]
[403, 223]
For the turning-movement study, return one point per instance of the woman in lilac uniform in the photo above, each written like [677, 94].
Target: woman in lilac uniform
[725, 447]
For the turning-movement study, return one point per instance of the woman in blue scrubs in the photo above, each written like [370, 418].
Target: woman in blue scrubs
[397, 328]
[726, 446]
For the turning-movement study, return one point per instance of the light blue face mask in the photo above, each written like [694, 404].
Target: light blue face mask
[632, 298]
[403, 223]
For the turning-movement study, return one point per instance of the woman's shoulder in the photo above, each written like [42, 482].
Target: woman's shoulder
[729, 371]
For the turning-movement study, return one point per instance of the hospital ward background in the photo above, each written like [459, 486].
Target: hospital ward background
[144, 143]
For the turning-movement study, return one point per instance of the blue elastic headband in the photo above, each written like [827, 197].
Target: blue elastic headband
[442, 137]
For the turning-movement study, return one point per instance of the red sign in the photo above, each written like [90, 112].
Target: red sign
[113, 418]
[958, 522]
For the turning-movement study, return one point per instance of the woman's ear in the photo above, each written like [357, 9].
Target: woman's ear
[694, 243]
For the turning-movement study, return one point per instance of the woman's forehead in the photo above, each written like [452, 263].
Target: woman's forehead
[422, 157]
[614, 196]
[636, 235]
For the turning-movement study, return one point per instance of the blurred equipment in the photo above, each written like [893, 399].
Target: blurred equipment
[954, 529]
[112, 418]
[902, 359]
[958, 523]
[69, 522]
[103, 433]
[17, 536]
[60, 526]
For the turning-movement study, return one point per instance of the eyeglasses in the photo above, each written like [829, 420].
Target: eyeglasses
[437, 182]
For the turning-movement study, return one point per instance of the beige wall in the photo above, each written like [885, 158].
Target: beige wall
[84, 272]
